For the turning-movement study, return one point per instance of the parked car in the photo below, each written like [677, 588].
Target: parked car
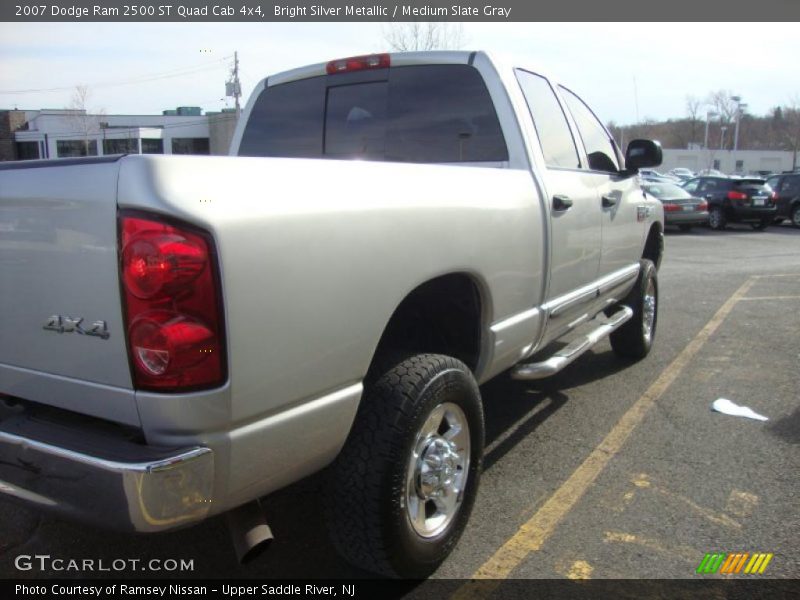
[681, 173]
[680, 207]
[653, 175]
[787, 197]
[329, 296]
[735, 200]
[711, 173]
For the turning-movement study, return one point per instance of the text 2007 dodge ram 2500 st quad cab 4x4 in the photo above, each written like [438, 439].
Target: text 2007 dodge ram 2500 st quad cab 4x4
[184, 335]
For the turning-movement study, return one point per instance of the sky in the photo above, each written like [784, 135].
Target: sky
[627, 72]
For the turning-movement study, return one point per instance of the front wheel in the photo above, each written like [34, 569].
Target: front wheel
[796, 216]
[635, 338]
[401, 491]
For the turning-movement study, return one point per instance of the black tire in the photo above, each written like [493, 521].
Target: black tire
[685, 227]
[716, 218]
[632, 340]
[761, 225]
[370, 489]
[796, 215]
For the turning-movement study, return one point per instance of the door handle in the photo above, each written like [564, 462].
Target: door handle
[561, 203]
[609, 201]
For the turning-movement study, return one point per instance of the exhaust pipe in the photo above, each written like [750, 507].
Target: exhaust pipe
[250, 533]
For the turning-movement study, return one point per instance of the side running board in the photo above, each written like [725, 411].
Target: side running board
[574, 349]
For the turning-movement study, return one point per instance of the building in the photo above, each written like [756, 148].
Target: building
[730, 161]
[60, 133]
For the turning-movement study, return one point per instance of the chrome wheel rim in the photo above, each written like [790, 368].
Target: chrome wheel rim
[796, 217]
[437, 470]
[714, 219]
[649, 310]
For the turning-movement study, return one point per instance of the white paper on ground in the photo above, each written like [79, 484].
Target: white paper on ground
[725, 406]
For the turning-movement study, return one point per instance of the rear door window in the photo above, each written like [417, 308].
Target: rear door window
[420, 114]
[555, 136]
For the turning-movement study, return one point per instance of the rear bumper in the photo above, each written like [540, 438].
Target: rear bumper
[754, 214]
[105, 481]
[688, 218]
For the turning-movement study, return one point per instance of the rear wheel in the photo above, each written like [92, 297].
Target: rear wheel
[635, 338]
[796, 215]
[716, 219]
[401, 491]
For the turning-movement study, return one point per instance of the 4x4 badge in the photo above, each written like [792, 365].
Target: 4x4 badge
[63, 324]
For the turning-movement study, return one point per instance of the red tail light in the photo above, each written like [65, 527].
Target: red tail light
[668, 207]
[173, 310]
[358, 63]
[737, 196]
[703, 205]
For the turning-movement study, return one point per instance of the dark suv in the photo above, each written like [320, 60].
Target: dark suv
[787, 192]
[735, 200]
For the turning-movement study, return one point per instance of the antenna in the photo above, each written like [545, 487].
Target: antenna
[233, 86]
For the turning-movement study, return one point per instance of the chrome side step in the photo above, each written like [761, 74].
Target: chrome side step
[567, 355]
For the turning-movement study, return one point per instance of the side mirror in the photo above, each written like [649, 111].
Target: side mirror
[643, 153]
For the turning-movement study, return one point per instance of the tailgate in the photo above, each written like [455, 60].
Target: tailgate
[61, 333]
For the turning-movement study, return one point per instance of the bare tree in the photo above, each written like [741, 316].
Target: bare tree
[409, 37]
[723, 104]
[85, 124]
[693, 109]
[791, 119]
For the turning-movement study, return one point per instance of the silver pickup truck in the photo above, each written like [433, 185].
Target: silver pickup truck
[184, 335]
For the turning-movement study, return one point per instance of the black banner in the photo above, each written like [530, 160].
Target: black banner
[436, 589]
[398, 10]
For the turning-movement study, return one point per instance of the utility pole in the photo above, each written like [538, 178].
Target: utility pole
[740, 106]
[233, 86]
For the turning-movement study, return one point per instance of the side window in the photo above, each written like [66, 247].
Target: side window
[599, 148]
[554, 133]
[691, 187]
[709, 185]
[791, 186]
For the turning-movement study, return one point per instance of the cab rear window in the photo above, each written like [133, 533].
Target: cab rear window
[418, 114]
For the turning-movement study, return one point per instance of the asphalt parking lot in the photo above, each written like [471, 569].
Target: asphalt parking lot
[608, 470]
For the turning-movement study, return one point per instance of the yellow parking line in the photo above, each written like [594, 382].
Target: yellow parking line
[772, 298]
[532, 535]
[580, 569]
[742, 504]
[690, 555]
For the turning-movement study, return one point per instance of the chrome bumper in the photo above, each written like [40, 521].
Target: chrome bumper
[111, 483]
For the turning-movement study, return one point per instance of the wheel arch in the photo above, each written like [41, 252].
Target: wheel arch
[443, 315]
[654, 244]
